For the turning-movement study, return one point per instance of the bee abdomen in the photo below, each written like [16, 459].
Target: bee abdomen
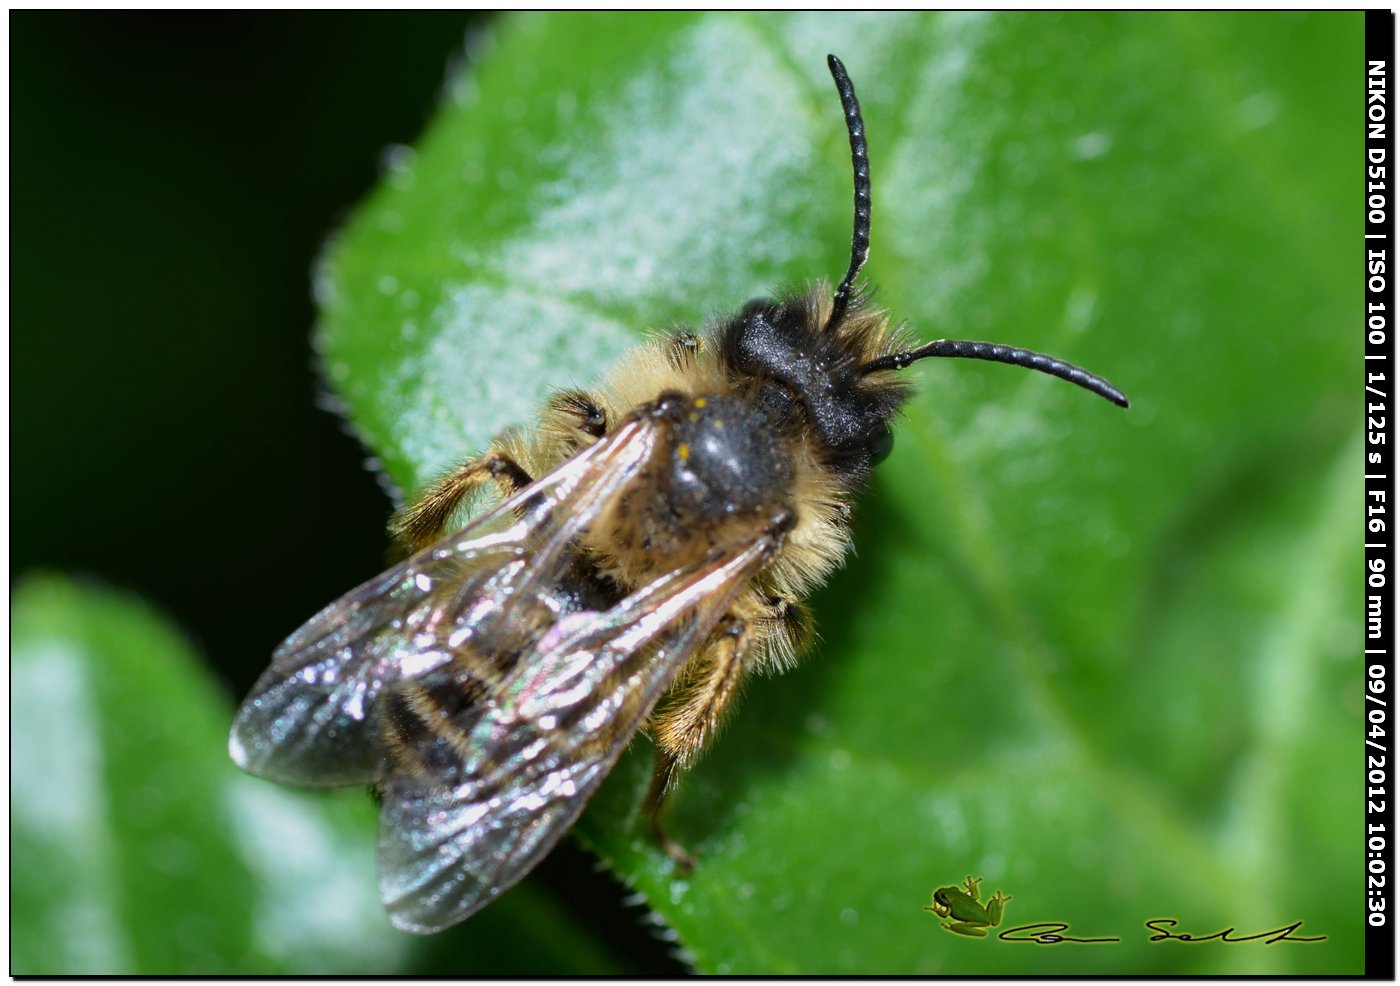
[420, 723]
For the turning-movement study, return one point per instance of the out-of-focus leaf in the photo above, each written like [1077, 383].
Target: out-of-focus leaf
[1102, 659]
[138, 848]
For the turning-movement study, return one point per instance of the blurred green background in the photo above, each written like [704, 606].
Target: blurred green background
[1106, 661]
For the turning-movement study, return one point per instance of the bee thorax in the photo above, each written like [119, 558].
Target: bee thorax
[720, 475]
[726, 458]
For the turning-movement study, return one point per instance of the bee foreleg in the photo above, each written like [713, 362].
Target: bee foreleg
[690, 720]
[577, 415]
[421, 522]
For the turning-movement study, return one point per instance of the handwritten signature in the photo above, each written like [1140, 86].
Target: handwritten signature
[1053, 933]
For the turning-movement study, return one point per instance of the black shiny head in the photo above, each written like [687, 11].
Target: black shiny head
[814, 378]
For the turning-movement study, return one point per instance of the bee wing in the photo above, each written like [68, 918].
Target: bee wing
[313, 717]
[536, 752]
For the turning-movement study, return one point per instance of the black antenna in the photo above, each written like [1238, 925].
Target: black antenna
[962, 349]
[860, 165]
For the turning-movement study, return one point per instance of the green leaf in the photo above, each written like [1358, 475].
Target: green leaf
[153, 854]
[139, 849]
[1104, 660]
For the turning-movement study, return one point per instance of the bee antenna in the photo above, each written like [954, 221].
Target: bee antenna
[860, 166]
[962, 349]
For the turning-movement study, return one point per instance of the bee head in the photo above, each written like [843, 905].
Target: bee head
[800, 369]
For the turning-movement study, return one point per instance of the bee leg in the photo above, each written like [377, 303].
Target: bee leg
[421, 522]
[577, 411]
[663, 780]
[689, 721]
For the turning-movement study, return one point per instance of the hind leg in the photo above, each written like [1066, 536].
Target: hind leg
[687, 723]
[423, 521]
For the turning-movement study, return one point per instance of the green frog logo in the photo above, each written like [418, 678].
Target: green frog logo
[962, 905]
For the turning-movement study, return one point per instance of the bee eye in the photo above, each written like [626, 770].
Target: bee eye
[881, 446]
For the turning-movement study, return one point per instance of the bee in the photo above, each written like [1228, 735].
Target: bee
[653, 548]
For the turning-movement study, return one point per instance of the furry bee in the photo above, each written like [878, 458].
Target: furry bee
[653, 548]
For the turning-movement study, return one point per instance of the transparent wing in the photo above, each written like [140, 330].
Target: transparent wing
[450, 844]
[494, 587]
